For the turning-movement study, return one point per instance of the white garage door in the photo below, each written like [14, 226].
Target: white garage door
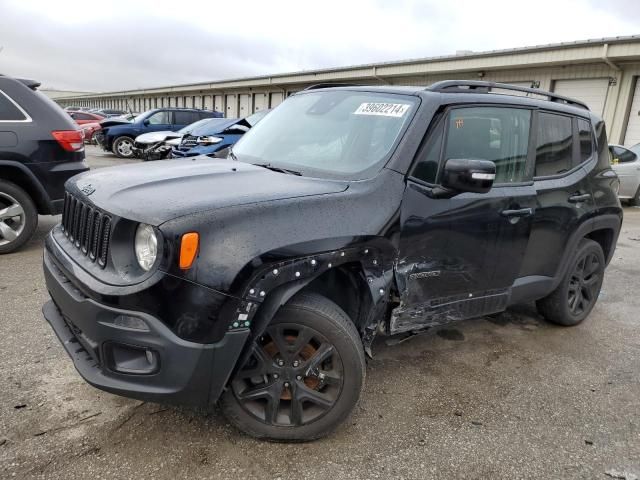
[259, 101]
[232, 106]
[218, 103]
[632, 136]
[592, 91]
[276, 99]
[245, 101]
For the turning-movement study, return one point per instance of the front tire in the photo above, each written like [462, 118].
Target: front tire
[123, 147]
[572, 301]
[18, 217]
[303, 377]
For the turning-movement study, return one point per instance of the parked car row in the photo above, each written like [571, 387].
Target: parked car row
[205, 137]
[119, 137]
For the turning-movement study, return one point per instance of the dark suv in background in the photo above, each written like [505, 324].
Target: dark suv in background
[347, 213]
[119, 139]
[40, 148]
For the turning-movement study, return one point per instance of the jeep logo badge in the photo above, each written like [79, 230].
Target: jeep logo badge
[88, 189]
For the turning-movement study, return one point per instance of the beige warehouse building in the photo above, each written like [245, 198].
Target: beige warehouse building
[603, 73]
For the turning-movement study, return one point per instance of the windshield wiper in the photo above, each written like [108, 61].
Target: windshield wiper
[277, 169]
[232, 155]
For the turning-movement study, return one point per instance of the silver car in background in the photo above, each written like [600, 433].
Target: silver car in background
[626, 163]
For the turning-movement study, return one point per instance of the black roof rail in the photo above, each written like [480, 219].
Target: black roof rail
[477, 86]
[330, 85]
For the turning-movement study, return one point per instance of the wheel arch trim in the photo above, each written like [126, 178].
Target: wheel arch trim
[273, 285]
[601, 222]
[42, 200]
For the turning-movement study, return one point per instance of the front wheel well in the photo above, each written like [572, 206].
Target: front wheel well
[347, 287]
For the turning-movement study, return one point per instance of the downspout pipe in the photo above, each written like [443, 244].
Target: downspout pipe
[607, 60]
[378, 77]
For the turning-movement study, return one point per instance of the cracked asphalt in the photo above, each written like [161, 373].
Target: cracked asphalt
[507, 396]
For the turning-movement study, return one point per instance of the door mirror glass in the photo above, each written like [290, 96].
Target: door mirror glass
[621, 155]
[462, 175]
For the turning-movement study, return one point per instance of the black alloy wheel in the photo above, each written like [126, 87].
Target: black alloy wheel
[584, 284]
[293, 376]
[577, 293]
[303, 375]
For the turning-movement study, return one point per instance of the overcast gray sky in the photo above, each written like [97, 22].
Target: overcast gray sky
[122, 44]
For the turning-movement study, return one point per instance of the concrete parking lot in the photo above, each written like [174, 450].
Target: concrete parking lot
[507, 396]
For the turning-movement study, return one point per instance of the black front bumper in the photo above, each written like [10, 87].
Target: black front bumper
[180, 372]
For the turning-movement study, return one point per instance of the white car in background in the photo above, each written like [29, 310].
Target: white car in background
[626, 163]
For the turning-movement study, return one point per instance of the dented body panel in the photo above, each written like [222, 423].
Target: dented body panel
[458, 257]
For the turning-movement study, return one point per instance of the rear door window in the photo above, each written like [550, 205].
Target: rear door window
[554, 145]
[185, 118]
[9, 111]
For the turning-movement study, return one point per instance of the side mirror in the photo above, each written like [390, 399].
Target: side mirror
[462, 175]
[146, 122]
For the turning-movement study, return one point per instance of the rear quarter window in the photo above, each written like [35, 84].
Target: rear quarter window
[554, 147]
[585, 137]
[9, 111]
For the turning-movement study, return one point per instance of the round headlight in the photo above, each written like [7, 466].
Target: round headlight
[146, 246]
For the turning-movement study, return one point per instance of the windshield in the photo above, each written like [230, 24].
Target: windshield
[141, 116]
[336, 133]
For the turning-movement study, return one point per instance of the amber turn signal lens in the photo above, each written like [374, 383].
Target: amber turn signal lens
[188, 249]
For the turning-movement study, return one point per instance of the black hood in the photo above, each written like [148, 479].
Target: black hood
[156, 192]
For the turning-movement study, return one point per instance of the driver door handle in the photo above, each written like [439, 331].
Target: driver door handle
[579, 198]
[523, 212]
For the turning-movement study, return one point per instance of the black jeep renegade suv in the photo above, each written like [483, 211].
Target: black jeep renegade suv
[350, 212]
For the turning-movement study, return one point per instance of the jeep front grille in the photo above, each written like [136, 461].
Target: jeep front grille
[87, 228]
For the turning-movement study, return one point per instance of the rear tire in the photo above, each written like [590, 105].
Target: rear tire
[572, 301]
[18, 217]
[123, 147]
[635, 201]
[304, 376]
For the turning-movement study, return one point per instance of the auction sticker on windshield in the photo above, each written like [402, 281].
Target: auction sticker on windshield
[384, 109]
